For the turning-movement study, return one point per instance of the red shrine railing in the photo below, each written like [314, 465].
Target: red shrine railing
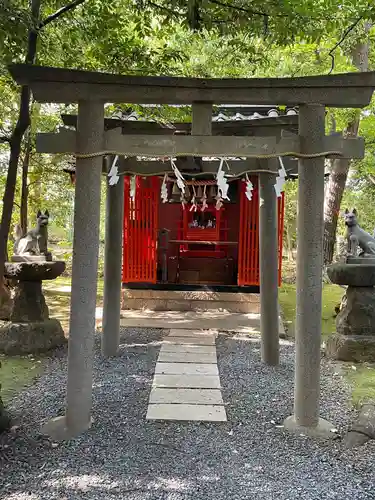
[140, 231]
[248, 250]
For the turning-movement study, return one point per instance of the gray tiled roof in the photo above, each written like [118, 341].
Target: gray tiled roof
[228, 113]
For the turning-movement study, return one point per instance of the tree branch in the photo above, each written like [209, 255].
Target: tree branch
[60, 12]
[345, 34]
[248, 11]
[165, 9]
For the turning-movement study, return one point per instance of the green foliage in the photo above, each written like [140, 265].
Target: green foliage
[290, 217]
[218, 38]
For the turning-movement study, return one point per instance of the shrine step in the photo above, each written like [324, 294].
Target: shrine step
[167, 300]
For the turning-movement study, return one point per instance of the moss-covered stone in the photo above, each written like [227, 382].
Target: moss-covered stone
[29, 338]
[355, 348]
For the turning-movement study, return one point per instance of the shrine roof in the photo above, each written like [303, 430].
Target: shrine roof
[70, 85]
[226, 119]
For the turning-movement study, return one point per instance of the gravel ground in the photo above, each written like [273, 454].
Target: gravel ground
[125, 457]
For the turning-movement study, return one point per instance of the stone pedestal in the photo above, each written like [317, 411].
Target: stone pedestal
[355, 324]
[29, 303]
[30, 329]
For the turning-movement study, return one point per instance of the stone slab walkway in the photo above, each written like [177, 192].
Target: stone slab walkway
[186, 383]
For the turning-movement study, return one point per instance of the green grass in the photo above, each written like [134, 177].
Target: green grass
[53, 286]
[361, 377]
[362, 380]
[332, 295]
[16, 373]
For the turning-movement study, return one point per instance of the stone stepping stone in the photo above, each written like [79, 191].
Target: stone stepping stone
[174, 332]
[188, 357]
[187, 348]
[197, 340]
[186, 369]
[186, 396]
[203, 413]
[187, 381]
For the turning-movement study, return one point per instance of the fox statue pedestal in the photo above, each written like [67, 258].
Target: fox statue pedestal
[355, 323]
[30, 329]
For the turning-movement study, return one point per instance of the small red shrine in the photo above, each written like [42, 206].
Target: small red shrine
[173, 245]
[192, 244]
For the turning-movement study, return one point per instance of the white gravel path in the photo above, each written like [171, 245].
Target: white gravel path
[126, 457]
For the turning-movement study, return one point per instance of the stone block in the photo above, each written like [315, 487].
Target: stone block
[29, 338]
[198, 340]
[182, 300]
[186, 396]
[357, 316]
[355, 275]
[181, 332]
[187, 381]
[187, 349]
[355, 348]
[363, 429]
[187, 357]
[178, 305]
[186, 369]
[203, 413]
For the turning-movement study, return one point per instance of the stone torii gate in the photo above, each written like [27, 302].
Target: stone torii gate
[90, 143]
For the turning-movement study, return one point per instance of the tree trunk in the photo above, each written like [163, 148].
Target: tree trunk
[332, 202]
[340, 168]
[24, 187]
[22, 125]
[289, 244]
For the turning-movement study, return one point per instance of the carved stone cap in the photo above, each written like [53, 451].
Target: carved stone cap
[352, 274]
[34, 271]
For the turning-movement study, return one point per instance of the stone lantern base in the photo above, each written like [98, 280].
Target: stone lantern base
[30, 329]
[355, 324]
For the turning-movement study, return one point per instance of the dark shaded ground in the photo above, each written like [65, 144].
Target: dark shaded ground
[125, 457]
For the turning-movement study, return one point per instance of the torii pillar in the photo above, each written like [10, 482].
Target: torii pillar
[112, 267]
[306, 418]
[268, 266]
[90, 134]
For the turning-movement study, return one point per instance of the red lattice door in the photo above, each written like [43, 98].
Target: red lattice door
[248, 251]
[141, 231]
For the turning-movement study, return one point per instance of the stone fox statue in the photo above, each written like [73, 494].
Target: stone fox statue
[357, 237]
[34, 242]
